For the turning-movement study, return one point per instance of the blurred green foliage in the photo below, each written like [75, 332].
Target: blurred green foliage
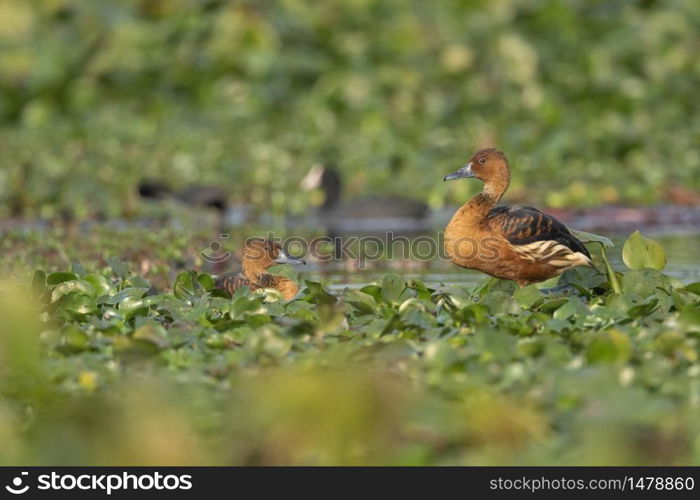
[593, 101]
[97, 368]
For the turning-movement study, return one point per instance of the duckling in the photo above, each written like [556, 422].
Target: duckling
[259, 255]
[516, 242]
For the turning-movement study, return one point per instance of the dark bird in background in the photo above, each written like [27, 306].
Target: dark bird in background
[365, 214]
[259, 255]
[199, 195]
[509, 242]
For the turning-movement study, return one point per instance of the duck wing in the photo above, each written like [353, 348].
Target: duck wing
[230, 282]
[538, 237]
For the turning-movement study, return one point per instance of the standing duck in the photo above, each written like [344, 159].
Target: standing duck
[259, 255]
[508, 242]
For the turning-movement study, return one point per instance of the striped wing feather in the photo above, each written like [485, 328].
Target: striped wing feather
[231, 282]
[538, 237]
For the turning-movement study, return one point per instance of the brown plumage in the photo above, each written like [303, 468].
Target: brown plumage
[509, 242]
[259, 255]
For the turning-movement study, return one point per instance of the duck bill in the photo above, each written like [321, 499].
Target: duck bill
[283, 258]
[463, 173]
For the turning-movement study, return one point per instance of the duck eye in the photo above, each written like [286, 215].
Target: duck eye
[482, 160]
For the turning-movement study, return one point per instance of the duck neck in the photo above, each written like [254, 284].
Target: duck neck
[252, 271]
[493, 191]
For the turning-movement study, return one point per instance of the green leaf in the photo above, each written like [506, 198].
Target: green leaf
[612, 346]
[119, 268]
[187, 286]
[362, 302]
[592, 238]
[67, 287]
[573, 307]
[131, 292]
[317, 294]
[206, 281]
[39, 282]
[613, 280]
[76, 303]
[640, 252]
[60, 277]
[644, 282]
[73, 340]
[392, 286]
[152, 332]
[129, 349]
[528, 296]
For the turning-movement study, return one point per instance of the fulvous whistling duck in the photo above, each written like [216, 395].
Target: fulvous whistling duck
[259, 255]
[508, 242]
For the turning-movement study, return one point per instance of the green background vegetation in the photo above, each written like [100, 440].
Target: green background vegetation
[118, 350]
[594, 101]
[98, 368]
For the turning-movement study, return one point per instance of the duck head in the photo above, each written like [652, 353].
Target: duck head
[260, 254]
[488, 165]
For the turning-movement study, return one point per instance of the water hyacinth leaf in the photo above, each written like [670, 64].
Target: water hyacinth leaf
[642, 310]
[423, 292]
[139, 282]
[39, 282]
[60, 277]
[583, 276]
[128, 349]
[373, 290]
[362, 302]
[573, 307]
[694, 288]
[592, 238]
[206, 281]
[66, 287]
[501, 302]
[644, 282]
[152, 332]
[473, 314]
[73, 340]
[317, 294]
[244, 306]
[133, 306]
[528, 296]
[119, 268]
[187, 286]
[690, 317]
[131, 292]
[392, 287]
[553, 304]
[100, 283]
[640, 252]
[612, 346]
[612, 275]
[76, 303]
